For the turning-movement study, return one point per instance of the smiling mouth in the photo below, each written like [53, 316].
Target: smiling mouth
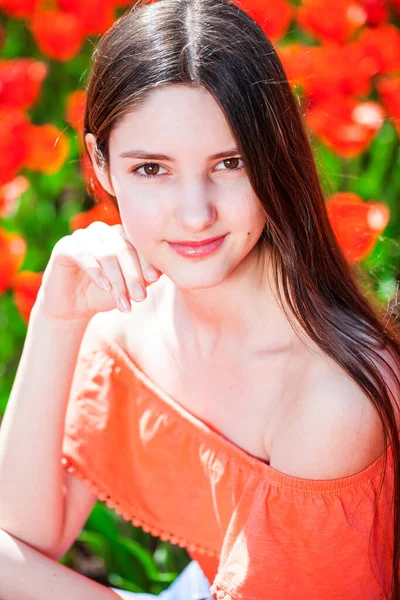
[195, 244]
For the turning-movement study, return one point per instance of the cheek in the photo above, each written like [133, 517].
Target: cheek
[244, 211]
[142, 219]
[257, 216]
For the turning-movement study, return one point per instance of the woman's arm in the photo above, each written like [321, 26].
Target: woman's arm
[32, 478]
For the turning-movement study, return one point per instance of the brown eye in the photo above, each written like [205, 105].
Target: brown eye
[231, 163]
[151, 169]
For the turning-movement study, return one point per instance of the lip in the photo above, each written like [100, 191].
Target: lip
[196, 244]
[199, 250]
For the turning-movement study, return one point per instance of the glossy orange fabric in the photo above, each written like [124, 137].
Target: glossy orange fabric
[257, 533]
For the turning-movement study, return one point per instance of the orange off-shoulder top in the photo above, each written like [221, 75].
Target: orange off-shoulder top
[258, 533]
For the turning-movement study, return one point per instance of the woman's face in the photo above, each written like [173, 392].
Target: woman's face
[181, 191]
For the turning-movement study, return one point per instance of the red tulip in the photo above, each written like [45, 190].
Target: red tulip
[306, 66]
[58, 34]
[14, 145]
[26, 285]
[75, 110]
[20, 82]
[48, 148]
[10, 194]
[124, 3]
[297, 61]
[344, 125]
[12, 255]
[356, 224]
[331, 20]
[389, 90]
[376, 11]
[104, 211]
[273, 17]
[396, 4]
[381, 46]
[20, 8]
[96, 16]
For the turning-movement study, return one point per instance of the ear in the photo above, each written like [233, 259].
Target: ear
[100, 171]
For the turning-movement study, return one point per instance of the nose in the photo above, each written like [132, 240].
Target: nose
[196, 210]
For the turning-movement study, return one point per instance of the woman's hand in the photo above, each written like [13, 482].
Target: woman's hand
[71, 288]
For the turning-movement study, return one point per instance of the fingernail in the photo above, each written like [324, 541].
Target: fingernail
[152, 274]
[139, 292]
[124, 304]
[103, 282]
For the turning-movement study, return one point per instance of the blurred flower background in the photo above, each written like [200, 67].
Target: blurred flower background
[342, 58]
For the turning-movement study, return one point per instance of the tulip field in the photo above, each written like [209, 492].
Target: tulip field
[342, 59]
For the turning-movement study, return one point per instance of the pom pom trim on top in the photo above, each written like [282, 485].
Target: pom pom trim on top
[165, 536]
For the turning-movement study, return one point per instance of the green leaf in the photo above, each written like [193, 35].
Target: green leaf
[141, 554]
[104, 521]
[124, 584]
[98, 545]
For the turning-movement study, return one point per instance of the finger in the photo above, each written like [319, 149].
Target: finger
[147, 272]
[108, 259]
[150, 272]
[132, 273]
[128, 262]
[128, 270]
[88, 263]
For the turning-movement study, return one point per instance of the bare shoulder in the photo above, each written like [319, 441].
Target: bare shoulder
[335, 431]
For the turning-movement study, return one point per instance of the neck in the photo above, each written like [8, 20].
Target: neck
[241, 313]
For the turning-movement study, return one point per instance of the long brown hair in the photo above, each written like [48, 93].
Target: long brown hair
[215, 44]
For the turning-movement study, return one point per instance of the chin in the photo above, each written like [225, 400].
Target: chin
[192, 281]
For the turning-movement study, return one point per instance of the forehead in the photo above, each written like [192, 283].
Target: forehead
[174, 117]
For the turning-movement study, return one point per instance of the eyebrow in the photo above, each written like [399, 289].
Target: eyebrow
[152, 156]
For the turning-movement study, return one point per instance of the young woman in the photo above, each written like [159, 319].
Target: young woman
[243, 406]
